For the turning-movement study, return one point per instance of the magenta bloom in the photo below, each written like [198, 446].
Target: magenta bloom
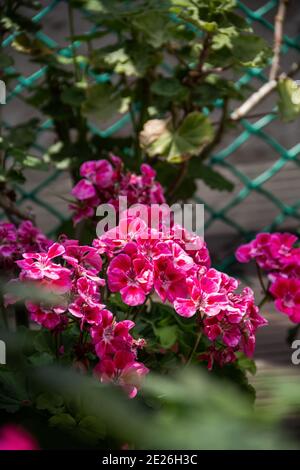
[237, 323]
[50, 318]
[132, 277]
[39, 266]
[169, 282]
[123, 370]
[275, 253]
[76, 272]
[219, 356]
[287, 297]
[14, 437]
[84, 189]
[85, 259]
[205, 295]
[110, 336]
[103, 182]
[98, 172]
[14, 241]
[270, 250]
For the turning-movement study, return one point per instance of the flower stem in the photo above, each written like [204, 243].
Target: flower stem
[264, 300]
[261, 281]
[199, 336]
[72, 33]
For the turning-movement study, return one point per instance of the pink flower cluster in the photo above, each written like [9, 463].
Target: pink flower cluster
[276, 254]
[103, 182]
[72, 271]
[176, 266]
[16, 240]
[146, 253]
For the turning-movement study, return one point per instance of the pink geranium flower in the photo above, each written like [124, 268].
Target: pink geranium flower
[237, 323]
[180, 259]
[287, 297]
[50, 318]
[122, 370]
[31, 238]
[104, 182]
[99, 172]
[218, 355]
[39, 266]
[84, 189]
[205, 295]
[270, 250]
[110, 336]
[132, 277]
[14, 241]
[169, 282]
[82, 256]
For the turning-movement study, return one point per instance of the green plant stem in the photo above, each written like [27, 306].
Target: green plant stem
[178, 180]
[137, 311]
[4, 321]
[198, 339]
[218, 134]
[261, 281]
[72, 34]
[264, 300]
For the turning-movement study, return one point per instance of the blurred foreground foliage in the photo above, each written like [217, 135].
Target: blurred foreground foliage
[186, 410]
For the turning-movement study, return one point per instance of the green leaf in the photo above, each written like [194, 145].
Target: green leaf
[63, 421]
[73, 96]
[169, 87]
[160, 138]
[24, 134]
[250, 50]
[13, 393]
[157, 27]
[79, 59]
[43, 342]
[289, 99]
[209, 175]
[102, 102]
[15, 176]
[246, 364]
[30, 161]
[167, 335]
[91, 429]
[41, 359]
[132, 59]
[224, 38]
[87, 37]
[51, 402]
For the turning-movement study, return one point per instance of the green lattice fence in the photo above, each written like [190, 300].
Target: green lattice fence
[223, 159]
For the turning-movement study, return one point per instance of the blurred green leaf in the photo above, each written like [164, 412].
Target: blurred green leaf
[167, 335]
[50, 402]
[63, 421]
[289, 99]
[169, 87]
[102, 102]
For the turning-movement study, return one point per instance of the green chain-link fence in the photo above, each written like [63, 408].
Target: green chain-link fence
[221, 160]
